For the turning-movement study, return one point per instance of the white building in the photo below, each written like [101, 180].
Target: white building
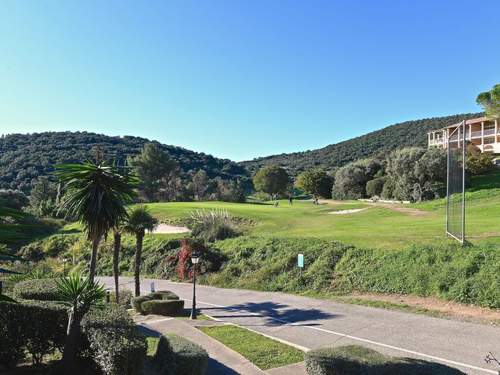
[481, 132]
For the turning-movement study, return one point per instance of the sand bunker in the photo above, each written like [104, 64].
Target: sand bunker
[169, 229]
[346, 212]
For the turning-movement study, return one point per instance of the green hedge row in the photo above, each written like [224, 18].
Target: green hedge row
[38, 328]
[115, 343]
[359, 360]
[178, 356]
[37, 289]
[160, 303]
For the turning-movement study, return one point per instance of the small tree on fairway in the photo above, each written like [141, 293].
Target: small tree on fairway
[138, 222]
[271, 180]
[316, 182]
[96, 195]
[79, 295]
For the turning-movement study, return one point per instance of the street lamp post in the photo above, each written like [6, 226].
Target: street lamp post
[195, 258]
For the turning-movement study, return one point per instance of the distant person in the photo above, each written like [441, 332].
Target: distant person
[276, 203]
[290, 199]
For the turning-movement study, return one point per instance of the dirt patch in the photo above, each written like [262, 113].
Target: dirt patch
[346, 212]
[169, 229]
[406, 210]
[446, 308]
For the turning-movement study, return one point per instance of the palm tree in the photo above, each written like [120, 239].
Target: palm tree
[79, 295]
[96, 195]
[117, 244]
[138, 222]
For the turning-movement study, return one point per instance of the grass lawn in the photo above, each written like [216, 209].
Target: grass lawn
[375, 226]
[264, 352]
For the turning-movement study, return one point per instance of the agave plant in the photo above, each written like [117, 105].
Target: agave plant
[79, 294]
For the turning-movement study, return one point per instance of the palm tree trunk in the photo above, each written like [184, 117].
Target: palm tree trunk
[138, 255]
[93, 258]
[70, 353]
[116, 254]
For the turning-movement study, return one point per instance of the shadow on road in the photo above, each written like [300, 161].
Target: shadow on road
[273, 313]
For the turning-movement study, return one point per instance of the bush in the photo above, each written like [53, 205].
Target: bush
[116, 345]
[213, 225]
[15, 199]
[163, 307]
[164, 295]
[359, 360]
[37, 289]
[374, 187]
[137, 303]
[36, 327]
[125, 299]
[178, 356]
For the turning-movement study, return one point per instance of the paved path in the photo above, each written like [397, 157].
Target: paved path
[311, 323]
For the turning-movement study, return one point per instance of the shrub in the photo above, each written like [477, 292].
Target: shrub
[15, 199]
[37, 327]
[162, 307]
[116, 345]
[37, 289]
[374, 187]
[359, 360]
[213, 225]
[164, 295]
[125, 299]
[178, 356]
[137, 303]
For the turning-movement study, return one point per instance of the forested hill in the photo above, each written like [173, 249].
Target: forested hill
[24, 157]
[409, 133]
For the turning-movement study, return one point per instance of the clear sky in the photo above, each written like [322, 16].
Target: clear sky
[241, 79]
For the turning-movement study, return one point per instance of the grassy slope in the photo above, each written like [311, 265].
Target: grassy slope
[18, 228]
[375, 227]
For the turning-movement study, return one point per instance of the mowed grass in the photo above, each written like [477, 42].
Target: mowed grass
[262, 351]
[375, 226]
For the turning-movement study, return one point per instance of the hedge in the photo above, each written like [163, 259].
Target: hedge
[125, 297]
[178, 356]
[37, 289]
[359, 360]
[162, 302]
[115, 343]
[36, 327]
[163, 307]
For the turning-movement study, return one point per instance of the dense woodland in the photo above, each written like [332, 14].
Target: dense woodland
[25, 157]
[405, 134]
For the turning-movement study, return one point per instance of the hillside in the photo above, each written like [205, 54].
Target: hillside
[409, 133]
[24, 157]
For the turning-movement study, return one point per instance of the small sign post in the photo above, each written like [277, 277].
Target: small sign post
[152, 287]
[300, 260]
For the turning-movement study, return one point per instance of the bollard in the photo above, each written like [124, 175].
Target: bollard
[152, 287]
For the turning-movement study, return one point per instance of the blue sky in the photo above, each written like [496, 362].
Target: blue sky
[240, 79]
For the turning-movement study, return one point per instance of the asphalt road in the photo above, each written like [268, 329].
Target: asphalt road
[310, 323]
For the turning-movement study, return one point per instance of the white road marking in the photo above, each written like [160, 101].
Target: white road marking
[397, 348]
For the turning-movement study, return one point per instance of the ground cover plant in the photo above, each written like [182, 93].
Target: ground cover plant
[360, 360]
[262, 351]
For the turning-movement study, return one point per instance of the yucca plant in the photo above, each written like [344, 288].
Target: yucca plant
[79, 294]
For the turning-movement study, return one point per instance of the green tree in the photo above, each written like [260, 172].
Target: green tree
[153, 167]
[200, 184]
[79, 295]
[490, 101]
[477, 162]
[44, 197]
[316, 182]
[271, 180]
[350, 180]
[117, 245]
[139, 221]
[96, 195]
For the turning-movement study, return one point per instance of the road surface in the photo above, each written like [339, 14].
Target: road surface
[311, 323]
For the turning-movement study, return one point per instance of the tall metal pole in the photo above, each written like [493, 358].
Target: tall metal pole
[463, 184]
[193, 306]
